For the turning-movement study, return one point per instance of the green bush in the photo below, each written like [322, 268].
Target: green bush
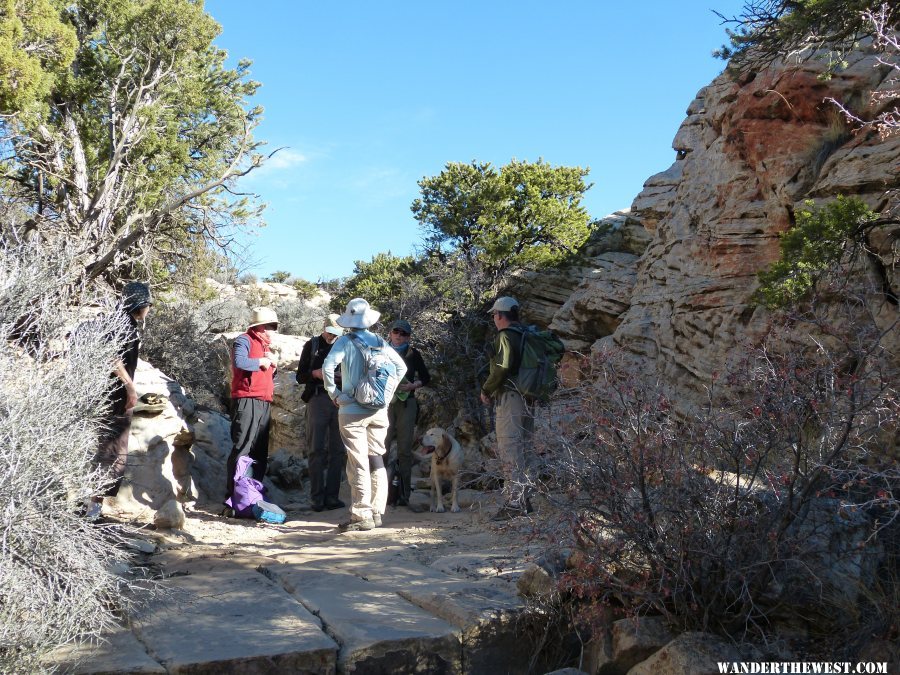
[279, 277]
[306, 290]
[821, 237]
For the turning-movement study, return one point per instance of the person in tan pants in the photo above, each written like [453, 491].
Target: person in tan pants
[514, 415]
[363, 429]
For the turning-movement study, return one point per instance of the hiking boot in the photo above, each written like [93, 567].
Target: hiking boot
[227, 512]
[332, 504]
[376, 518]
[357, 525]
[318, 506]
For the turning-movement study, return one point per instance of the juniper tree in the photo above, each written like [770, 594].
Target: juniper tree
[127, 145]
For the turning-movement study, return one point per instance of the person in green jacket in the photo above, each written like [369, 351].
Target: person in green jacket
[514, 415]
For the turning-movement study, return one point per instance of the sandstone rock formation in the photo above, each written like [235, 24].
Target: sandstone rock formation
[586, 300]
[750, 152]
[179, 454]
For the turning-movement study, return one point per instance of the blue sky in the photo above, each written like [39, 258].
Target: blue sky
[368, 98]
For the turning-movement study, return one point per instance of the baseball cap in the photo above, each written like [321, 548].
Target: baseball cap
[331, 325]
[503, 304]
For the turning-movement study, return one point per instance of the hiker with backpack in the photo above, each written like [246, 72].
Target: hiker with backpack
[252, 388]
[522, 374]
[327, 454]
[370, 372]
[404, 410]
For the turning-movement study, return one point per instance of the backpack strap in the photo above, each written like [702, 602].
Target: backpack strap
[364, 348]
[360, 344]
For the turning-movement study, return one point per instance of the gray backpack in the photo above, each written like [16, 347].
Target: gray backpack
[379, 381]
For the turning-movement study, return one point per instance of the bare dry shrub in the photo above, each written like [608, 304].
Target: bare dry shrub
[56, 583]
[296, 317]
[776, 504]
[182, 340]
[180, 337]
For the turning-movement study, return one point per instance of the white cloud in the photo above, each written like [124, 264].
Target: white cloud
[278, 169]
[283, 159]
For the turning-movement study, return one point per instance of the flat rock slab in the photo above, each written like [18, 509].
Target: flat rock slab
[222, 616]
[120, 652]
[378, 631]
[482, 565]
[488, 613]
[460, 601]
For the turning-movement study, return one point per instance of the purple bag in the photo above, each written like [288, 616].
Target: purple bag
[247, 490]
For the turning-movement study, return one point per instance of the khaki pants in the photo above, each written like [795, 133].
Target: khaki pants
[515, 426]
[364, 435]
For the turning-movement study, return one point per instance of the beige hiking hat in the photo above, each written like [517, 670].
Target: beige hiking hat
[260, 316]
[331, 325]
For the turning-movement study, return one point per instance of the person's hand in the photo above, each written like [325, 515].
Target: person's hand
[131, 396]
[485, 398]
[265, 363]
[406, 386]
[317, 374]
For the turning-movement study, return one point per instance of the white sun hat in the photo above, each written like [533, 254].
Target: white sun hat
[358, 315]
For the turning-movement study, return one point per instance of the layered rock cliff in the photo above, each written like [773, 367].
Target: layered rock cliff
[748, 155]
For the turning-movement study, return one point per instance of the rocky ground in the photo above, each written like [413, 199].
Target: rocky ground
[426, 592]
[418, 537]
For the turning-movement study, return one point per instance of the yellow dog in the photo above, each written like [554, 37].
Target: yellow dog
[446, 461]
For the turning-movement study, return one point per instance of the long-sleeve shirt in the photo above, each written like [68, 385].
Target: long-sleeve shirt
[506, 348]
[345, 354]
[415, 365]
[311, 360]
[242, 358]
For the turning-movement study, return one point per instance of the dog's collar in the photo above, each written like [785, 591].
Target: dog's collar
[441, 458]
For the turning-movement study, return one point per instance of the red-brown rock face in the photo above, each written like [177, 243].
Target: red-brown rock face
[749, 153]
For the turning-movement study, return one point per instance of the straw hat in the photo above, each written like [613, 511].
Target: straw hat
[260, 316]
[358, 315]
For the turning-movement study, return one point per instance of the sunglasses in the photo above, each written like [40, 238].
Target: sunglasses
[400, 332]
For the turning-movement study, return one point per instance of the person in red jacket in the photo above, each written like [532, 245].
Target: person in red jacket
[252, 386]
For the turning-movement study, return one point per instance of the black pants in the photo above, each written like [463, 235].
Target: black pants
[112, 452]
[327, 454]
[250, 419]
[402, 416]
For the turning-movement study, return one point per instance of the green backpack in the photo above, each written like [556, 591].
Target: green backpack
[540, 351]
